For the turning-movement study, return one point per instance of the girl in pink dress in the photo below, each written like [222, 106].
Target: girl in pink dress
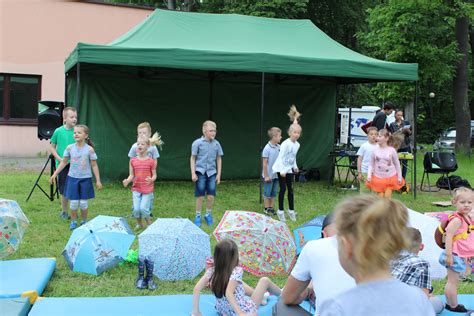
[384, 174]
[459, 246]
[233, 296]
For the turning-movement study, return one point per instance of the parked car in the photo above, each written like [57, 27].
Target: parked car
[447, 140]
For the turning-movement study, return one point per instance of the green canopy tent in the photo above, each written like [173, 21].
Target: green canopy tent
[177, 69]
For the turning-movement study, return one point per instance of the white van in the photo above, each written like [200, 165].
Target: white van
[359, 117]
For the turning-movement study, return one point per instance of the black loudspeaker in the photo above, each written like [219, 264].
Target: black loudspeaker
[49, 118]
[440, 162]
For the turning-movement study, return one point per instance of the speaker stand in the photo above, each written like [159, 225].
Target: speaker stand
[53, 188]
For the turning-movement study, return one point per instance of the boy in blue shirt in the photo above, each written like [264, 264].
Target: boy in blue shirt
[270, 178]
[206, 166]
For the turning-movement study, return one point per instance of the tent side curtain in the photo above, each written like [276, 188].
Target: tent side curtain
[116, 100]
[229, 42]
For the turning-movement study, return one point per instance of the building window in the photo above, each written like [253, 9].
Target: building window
[19, 96]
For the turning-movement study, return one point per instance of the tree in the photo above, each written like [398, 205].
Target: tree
[460, 88]
[417, 32]
[286, 9]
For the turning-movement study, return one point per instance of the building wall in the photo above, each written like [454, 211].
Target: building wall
[37, 36]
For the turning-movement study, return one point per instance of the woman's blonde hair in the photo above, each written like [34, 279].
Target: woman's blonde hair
[378, 227]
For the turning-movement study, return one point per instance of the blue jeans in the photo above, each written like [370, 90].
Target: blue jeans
[270, 188]
[205, 184]
[141, 204]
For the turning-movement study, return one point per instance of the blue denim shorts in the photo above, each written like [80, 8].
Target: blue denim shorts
[141, 204]
[458, 263]
[205, 184]
[270, 189]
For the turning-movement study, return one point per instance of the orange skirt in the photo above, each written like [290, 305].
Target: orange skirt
[382, 184]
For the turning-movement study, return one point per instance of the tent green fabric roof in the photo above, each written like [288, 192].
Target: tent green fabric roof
[231, 42]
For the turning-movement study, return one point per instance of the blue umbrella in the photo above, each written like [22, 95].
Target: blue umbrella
[177, 247]
[308, 231]
[98, 245]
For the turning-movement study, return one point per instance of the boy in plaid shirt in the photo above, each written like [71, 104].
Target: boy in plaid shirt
[409, 268]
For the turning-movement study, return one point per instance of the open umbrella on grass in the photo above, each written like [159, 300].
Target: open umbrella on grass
[177, 247]
[310, 230]
[98, 245]
[266, 246]
[13, 223]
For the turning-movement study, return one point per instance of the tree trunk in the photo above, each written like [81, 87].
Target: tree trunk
[471, 37]
[460, 85]
[171, 4]
[188, 5]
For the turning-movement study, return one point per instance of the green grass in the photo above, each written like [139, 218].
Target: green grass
[47, 235]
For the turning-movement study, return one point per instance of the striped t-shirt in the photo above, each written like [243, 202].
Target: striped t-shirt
[142, 168]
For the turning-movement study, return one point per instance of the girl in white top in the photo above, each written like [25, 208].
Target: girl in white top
[285, 165]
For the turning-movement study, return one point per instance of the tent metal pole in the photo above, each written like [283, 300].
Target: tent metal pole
[211, 76]
[78, 87]
[65, 88]
[415, 114]
[262, 107]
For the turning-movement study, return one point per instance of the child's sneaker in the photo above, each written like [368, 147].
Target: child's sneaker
[269, 211]
[197, 220]
[138, 227]
[73, 225]
[292, 215]
[63, 215]
[281, 215]
[83, 222]
[208, 218]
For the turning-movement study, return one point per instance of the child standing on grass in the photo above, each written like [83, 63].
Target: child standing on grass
[285, 165]
[79, 188]
[384, 174]
[459, 246]
[270, 178]
[206, 167]
[233, 296]
[62, 137]
[142, 171]
[364, 156]
[144, 130]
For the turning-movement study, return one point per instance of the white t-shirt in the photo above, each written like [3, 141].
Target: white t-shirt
[286, 160]
[366, 152]
[319, 261]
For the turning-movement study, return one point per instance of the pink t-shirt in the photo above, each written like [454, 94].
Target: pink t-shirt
[464, 247]
[384, 163]
[142, 168]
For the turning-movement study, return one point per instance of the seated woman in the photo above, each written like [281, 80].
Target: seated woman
[371, 231]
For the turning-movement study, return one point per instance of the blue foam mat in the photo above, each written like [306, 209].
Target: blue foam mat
[174, 305]
[22, 275]
[465, 299]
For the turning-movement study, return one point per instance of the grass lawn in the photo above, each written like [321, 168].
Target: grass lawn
[47, 235]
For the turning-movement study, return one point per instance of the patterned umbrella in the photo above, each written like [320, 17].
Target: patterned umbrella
[13, 223]
[98, 245]
[177, 247]
[266, 246]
